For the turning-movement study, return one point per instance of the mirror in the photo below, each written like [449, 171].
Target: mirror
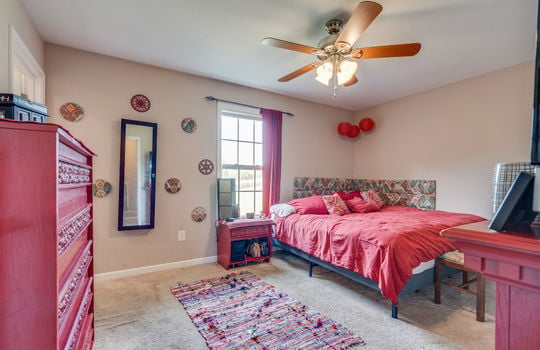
[137, 185]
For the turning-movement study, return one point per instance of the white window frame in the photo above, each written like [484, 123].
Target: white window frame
[240, 112]
[20, 59]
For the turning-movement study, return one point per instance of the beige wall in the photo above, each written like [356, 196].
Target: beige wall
[13, 12]
[454, 134]
[103, 86]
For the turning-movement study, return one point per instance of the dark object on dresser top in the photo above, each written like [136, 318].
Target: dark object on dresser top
[19, 108]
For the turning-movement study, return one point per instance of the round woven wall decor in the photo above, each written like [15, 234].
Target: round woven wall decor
[71, 111]
[198, 214]
[206, 166]
[101, 188]
[189, 125]
[173, 185]
[140, 103]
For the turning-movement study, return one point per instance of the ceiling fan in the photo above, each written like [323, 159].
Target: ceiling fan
[335, 51]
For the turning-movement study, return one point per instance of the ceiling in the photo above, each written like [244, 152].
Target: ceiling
[222, 40]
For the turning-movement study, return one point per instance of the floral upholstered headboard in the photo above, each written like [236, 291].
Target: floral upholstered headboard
[412, 193]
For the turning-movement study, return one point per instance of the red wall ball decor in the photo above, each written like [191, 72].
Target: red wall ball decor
[354, 132]
[344, 128]
[366, 124]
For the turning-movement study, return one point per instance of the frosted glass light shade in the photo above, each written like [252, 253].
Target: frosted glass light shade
[325, 70]
[345, 71]
[324, 73]
[322, 79]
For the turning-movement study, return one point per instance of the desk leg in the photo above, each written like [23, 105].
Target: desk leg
[517, 318]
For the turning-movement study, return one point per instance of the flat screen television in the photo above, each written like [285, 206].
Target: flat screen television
[516, 210]
[535, 132]
[522, 202]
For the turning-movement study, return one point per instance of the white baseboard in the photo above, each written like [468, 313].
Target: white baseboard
[153, 268]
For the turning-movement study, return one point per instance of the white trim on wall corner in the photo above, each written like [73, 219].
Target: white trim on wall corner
[153, 268]
[21, 57]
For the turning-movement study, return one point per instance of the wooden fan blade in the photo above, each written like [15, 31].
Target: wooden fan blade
[298, 72]
[282, 44]
[351, 81]
[363, 15]
[399, 50]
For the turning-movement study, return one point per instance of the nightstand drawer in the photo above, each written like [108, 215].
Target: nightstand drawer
[250, 232]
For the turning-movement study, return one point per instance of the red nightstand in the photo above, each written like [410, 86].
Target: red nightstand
[234, 236]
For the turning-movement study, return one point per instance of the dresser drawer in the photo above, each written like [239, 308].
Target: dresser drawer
[86, 339]
[77, 329]
[70, 292]
[67, 153]
[71, 199]
[72, 236]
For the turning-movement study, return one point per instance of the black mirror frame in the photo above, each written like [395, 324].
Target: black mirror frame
[121, 226]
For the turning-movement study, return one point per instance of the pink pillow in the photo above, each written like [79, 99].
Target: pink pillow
[347, 196]
[358, 205]
[309, 205]
[335, 204]
[372, 197]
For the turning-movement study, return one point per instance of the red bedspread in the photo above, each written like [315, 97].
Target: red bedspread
[384, 246]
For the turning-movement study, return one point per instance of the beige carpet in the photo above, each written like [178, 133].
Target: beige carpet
[140, 312]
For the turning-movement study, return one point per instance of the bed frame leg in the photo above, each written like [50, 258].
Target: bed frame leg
[311, 264]
[394, 310]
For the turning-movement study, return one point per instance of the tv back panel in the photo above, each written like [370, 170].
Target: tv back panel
[516, 207]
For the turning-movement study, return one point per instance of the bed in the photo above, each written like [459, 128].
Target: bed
[378, 249]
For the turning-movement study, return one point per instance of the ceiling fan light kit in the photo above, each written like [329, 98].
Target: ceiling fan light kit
[335, 50]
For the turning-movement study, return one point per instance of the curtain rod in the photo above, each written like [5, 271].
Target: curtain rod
[212, 98]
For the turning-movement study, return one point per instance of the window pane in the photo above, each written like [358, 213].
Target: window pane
[247, 202]
[246, 180]
[258, 180]
[245, 127]
[245, 150]
[258, 202]
[258, 131]
[229, 128]
[258, 154]
[230, 174]
[228, 152]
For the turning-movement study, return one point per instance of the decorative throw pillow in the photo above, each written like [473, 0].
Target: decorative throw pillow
[309, 205]
[372, 197]
[358, 205]
[335, 205]
[282, 209]
[347, 196]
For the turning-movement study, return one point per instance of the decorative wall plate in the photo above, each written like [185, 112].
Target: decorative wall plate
[101, 188]
[198, 214]
[140, 103]
[206, 166]
[173, 185]
[189, 125]
[71, 111]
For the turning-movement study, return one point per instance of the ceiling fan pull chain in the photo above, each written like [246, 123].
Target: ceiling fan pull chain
[334, 76]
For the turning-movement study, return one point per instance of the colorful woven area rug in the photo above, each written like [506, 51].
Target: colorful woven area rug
[241, 311]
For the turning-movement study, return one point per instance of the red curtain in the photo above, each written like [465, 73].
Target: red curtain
[271, 120]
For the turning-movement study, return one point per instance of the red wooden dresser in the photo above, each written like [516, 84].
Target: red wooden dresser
[46, 250]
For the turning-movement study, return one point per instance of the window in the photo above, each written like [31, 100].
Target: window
[240, 150]
[27, 79]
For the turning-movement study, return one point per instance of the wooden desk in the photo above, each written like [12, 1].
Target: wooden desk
[512, 260]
